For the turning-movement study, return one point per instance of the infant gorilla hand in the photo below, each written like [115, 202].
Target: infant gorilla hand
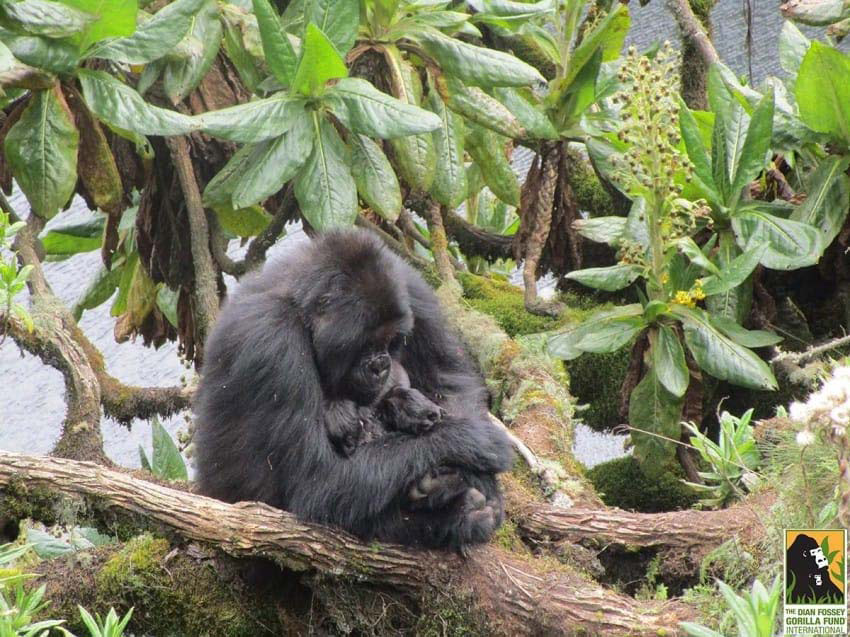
[349, 425]
[408, 410]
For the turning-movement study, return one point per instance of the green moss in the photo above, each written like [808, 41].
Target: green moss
[589, 191]
[621, 483]
[596, 380]
[508, 538]
[504, 303]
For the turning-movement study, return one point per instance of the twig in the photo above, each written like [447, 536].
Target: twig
[815, 350]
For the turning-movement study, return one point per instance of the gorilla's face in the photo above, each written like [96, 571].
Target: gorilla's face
[358, 326]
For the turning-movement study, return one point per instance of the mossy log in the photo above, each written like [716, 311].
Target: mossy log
[519, 595]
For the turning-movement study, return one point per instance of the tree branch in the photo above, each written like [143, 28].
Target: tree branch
[691, 29]
[521, 596]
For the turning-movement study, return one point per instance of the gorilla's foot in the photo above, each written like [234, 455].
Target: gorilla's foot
[480, 519]
[436, 489]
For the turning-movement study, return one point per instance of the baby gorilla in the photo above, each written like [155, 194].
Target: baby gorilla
[398, 407]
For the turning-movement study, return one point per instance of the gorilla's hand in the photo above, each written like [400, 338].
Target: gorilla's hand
[344, 425]
[408, 410]
[436, 489]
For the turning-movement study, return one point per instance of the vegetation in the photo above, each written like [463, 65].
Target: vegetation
[710, 225]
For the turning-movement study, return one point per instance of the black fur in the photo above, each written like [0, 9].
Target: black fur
[275, 367]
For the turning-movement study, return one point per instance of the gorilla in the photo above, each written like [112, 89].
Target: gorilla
[808, 570]
[339, 333]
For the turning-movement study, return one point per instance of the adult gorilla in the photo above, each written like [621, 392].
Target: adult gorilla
[303, 349]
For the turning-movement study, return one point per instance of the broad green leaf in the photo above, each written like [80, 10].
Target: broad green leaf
[828, 195]
[274, 162]
[56, 56]
[154, 38]
[201, 44]
[475, 105]
[65, 240]
[790, 244]
[46, 546]
[244, 222]
[607, 230]
[415, 156]
[166, 301]
[734, 273]
[374, 176]
[477, 65]
[823, 91]
[99, 290]
[792, 48]
[113, 19]
[610, 278]
[535, 122]
[750, 161]
[695, 255]
[720, 356]
[364, 109]
[325, 188]
[697, 152]
[574, 98]
[252, 121]
[337, 19]
[280, 56]
[320, 62]
[44, 17]
[488, 150]
[608, 36]
[668, 361]
[128, 272]
[122, 107]
[41, 149]
[219, 190]
[735, 302]
[166, 461]
[742, 336]
[564, 344]
[512, 9]
[609, 336]
[698, 630]
[246, 64]
[656, 413]
[449, 187]
[815, 12]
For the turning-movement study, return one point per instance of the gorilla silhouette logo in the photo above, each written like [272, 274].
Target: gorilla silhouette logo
[807, 578]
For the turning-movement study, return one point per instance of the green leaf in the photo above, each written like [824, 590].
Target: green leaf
[610, 278]
[656, 411]
[44, 17]
[791, 244]
[477, 65]
[99, 290]
[690, 249]
[113, 19]
[247, 65]
[46, 546]
[449, 187]
[154, 38]
[415, 156]
[609, 336]
[608, 36]
[166, 301]
[735, 302]
[166, 461]
[574, 98]
[280, 56]
[122, 107]
[244, 222]
[719, 355]
[56, 56]
[750, 162]
[201, 45]
[828, 193]
[668, 361]
[735, 272]
[274, 162]
[608, 230]
[325, 188]
[742, 336]
[793, 46]
[41, 149]
[698, 630]
[320, 62]
[697, 152]
[823, 91]
[475, 105]
[536, 123]
[488, 150]
[252, 121]
[374, 176]
[337, 19]
[815, 12]
[364, 109]
[65, 240]
[219, 190]
[564, 344]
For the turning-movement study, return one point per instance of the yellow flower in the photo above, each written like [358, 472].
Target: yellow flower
[697, 292]
[684, 298]
[665, 278]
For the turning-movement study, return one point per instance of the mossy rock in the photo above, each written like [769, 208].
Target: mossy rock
[504, 302]
[622, 483]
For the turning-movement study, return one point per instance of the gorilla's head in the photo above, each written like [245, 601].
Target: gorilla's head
[358, 313]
